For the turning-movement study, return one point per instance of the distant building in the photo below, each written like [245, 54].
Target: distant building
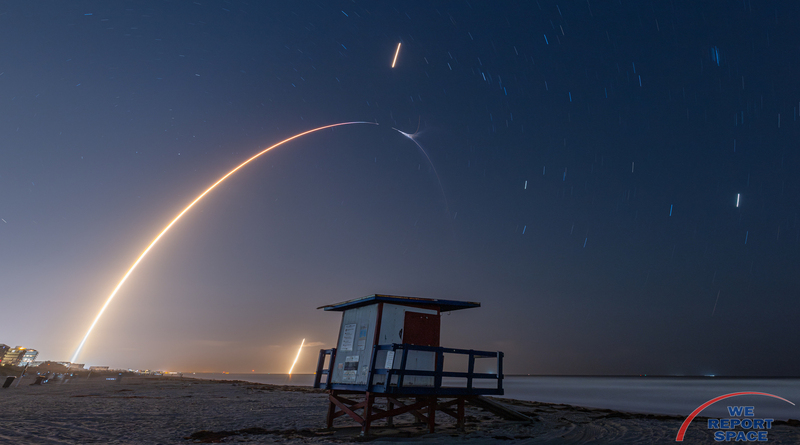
[28, 357]
[98, 368]
[11, 357]
[3, 349]
[19, 356]
[76, 366]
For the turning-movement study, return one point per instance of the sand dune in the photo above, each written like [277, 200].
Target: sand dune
[171, 410]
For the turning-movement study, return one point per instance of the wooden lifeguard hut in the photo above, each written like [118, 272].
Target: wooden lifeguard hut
[388, 348]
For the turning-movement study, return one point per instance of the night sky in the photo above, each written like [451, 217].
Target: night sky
[589, 158]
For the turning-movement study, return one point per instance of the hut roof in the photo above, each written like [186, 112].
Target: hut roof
[443, 305]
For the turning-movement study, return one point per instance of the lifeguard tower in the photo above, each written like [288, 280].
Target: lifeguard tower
[388, 348]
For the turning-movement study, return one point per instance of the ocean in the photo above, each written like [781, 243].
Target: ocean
[677, 396]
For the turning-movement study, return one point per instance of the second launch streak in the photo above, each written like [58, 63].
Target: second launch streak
[394, 61]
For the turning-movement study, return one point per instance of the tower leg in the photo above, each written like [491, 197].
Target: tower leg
[370, 399]
[389, 407]
[432, 414]
[331, 411]
[460, 412]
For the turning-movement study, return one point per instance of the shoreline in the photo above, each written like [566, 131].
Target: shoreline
[659, 395]
[147, 410]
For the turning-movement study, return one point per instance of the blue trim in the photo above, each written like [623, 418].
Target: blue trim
[442, 305]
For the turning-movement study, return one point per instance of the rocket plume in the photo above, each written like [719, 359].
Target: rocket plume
[172, 223]
[394, 61]
[298, 356]
[441, 187]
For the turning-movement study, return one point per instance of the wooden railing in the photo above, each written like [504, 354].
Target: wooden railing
[395, 377]
[321, 370]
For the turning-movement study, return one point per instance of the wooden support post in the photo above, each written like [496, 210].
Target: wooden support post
[331, 411]
[320, 363]
[432, 414]
[470, 369]
[460, 418]
[437, 379]
[367, 413]
[389, 407]
[330, 368]
[402, 372]
[499, 370]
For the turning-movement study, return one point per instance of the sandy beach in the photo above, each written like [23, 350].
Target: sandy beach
[173, 410]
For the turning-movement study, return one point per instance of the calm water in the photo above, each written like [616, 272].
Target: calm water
[655, 395]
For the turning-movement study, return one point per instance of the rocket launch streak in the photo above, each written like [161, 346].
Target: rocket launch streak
[394, 61]
[298, 356]
[169, 226]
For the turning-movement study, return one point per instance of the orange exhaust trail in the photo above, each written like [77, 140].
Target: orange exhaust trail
[298, 356]
[396, 53]
[169, 226]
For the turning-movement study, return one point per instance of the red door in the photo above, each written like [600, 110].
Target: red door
[421, 329]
